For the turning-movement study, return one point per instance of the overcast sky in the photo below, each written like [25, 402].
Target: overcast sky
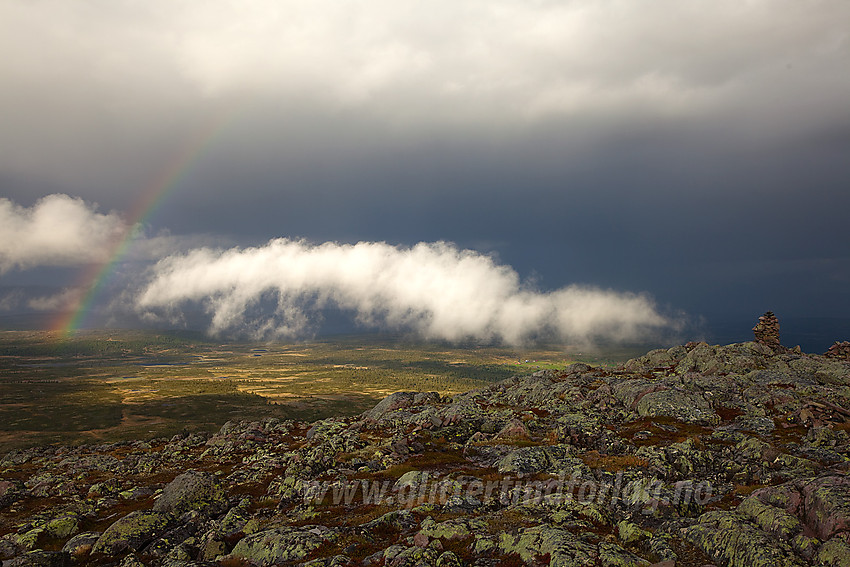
[673, 156]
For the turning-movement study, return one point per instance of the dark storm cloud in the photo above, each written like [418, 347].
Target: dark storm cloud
[663, 149]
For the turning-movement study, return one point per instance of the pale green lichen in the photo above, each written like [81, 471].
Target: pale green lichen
[771, 519]
[452, 529]
[631, 533]
[131, 530]
[729, 539]
[270, 547]
[612, 555]
[562, 547]
[834, 553]
[63, 527]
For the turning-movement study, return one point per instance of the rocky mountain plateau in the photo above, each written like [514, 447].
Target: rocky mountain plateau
[733, 455]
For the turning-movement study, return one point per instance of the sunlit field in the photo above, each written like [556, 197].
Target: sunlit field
[115, 385]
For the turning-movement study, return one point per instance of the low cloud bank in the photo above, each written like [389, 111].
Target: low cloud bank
[58, 230]
[433, 289]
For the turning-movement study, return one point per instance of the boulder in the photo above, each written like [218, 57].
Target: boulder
[834, 553]
[278, 545]
[41, 559]
[731, 540]
[392, 402]
[192, 491]
[132, 532]
[563, 548]
[612, 555]
[771, 519]
[827, 505]
[81, 544]
[690, 408]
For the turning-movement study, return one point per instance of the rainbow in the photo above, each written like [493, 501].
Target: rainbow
[151, 199]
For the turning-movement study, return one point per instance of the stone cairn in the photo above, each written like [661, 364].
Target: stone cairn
[766, 331]
[839, 350]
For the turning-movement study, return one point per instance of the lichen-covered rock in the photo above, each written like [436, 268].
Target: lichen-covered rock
[411, 480]
[448, 559]
[515, 429]
[730, 540]
[834, 553]
[281, 544]
[396, 519]
[690, 408]
[132, 532]
[771, 519]
[131, 560]
[612, 555]
[563, 548]
[11, 546]
[63, 527]
[630, 533]
[527, 460]
[452, 529]
[391, 403]
[192, 490]
[41, 559]
[827, 505]
[538, 459]
[81, 544]
[413, 557]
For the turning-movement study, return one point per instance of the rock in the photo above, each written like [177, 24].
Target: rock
[391, 403]
[563, 548]
[730, 540]
[422, 398]
[826, 437]
[839, 350]
[132, 532]
[690, 408]
[192, 491]
[81, 544]
[414, 557]
[538, 459]
[63, 527]
[827, 505]
[754, 423]
[527, 460]
[771, 519]
[277, 545]
[411, 480]
[131, 561]
[515, 430]
[630, 533]
[41, 559]
[451, 529]
[612, 555]
[449, 559]
[834, 553]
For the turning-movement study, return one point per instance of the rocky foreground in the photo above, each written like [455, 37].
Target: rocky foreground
[698, 455]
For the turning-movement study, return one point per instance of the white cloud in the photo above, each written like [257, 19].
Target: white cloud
[434, 289]
[57, 231]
